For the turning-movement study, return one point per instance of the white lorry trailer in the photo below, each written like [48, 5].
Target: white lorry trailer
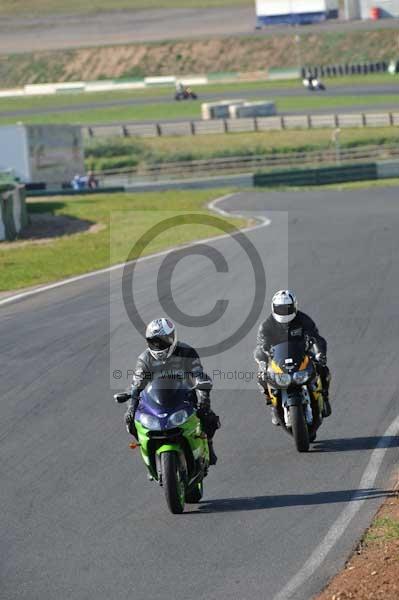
[294, 12]
[50, 154]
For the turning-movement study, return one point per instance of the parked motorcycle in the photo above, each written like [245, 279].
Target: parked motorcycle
[295, 389]
[173, 446]
[186, 94]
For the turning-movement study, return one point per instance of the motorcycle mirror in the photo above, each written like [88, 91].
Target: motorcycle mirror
[122, 397]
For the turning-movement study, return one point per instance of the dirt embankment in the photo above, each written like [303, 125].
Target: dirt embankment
[200, 56]
[372, 573]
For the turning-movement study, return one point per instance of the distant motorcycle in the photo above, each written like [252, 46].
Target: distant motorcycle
[186, 94]
[312, 84]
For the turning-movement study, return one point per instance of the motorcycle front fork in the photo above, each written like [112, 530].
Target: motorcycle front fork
[306, 404]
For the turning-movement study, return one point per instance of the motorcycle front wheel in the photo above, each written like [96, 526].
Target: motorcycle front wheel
[173, 482]
[299, 428]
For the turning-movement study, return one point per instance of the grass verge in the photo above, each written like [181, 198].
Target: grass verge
[383, 529]
[90, 98]
[24, 264]
[192, 110]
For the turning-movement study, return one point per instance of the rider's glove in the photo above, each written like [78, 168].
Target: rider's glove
[129, 416]
[129, 420]
[321, 359]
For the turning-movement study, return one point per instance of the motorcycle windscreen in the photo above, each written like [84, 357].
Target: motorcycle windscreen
[289, 354]
[168, 392]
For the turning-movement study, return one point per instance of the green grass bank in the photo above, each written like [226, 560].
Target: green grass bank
[124, 219]
[121, 153]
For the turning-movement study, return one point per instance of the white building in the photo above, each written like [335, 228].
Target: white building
[42, 153]
[270, 12]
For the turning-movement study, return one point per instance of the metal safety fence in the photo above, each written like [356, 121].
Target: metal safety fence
[246, 164]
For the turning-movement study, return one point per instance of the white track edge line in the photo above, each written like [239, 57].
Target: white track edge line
[341, 523]
[263, 222]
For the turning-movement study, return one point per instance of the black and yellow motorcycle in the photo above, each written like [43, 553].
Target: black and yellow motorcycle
[295, 390]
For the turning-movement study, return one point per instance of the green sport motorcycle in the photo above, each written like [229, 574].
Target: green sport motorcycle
[172, 443]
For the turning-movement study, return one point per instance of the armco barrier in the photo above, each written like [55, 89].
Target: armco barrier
[269, 123]
[296, 122]
[213, 126]
[261, 163]
[351, 120]
[287, 178]
[317, 176]
[13, 213]
[323, 121]
[176, 129]
[138, 130]
[240, 125]
[378, 119]
[343, 120]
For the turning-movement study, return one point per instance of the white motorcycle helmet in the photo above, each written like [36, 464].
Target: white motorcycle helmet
[161, 338]
[284, 306]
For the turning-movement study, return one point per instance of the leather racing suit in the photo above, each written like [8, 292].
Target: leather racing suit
[301, 327]
[184, 363]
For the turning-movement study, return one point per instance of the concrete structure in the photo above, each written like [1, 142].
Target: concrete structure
[253, 109]
[218, 110]
[352, 10]
[235, 109]
[13, 213]
[42, 153]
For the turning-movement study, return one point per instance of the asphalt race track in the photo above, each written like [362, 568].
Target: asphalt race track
[79, 518]
[204, 96]
[34, 33]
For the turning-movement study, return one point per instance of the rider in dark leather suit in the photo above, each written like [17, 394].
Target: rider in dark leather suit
[166, 357]
[287, 323]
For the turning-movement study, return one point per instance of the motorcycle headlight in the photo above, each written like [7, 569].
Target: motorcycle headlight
[283, 379]
[301, 376]
[178, 418]
[150, 422]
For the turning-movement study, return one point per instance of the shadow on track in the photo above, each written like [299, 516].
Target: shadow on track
[359, 443]
[283, 501]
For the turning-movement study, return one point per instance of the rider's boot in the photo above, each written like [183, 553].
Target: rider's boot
[326, 395]
[264, 391]
[212, 456]
[275, 419]
[327, 406]
[267, 397]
